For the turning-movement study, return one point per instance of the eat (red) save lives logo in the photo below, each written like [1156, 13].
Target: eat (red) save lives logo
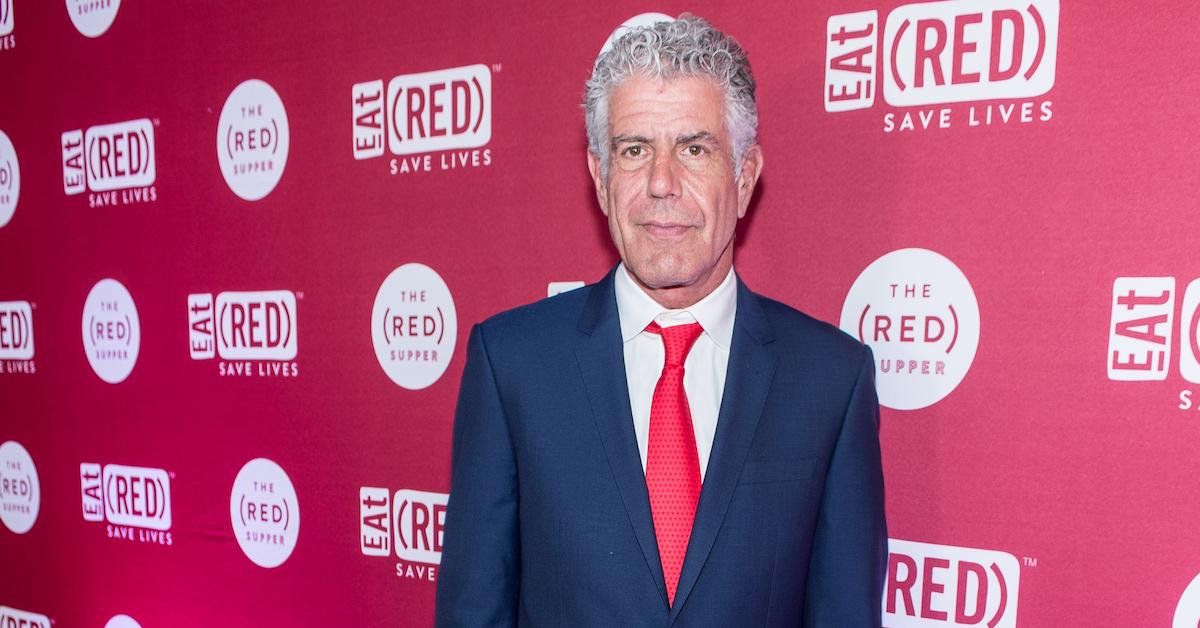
[1142, 332]
[935, 586]
[931, 54]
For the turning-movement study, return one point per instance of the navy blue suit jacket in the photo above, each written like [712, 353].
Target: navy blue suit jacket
[549, 522]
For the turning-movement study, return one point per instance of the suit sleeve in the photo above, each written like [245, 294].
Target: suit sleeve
[478, 579]
[849, 554]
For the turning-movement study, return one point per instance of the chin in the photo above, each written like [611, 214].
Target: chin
[663, 275]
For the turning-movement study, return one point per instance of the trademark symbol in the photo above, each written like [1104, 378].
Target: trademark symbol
[156, 121]
[33, 306]
[172, 474]
[1029, 561]
[300, 294]
[497, 68]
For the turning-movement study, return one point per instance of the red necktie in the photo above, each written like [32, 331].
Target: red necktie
[672, 465]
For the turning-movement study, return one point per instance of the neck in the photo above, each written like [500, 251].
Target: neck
[684, 296]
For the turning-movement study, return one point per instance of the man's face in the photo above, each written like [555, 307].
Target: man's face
[671, 198]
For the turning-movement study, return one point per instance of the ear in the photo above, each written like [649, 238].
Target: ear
[752, 164]
[598, 181]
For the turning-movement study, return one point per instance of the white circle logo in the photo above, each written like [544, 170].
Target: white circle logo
[10, 179]
[918, 313]
[637, 21]
[20, 492]
[122, 621]
[92, 17]
[1187, 614]
[111, 332]
[252, 140]
[414, 326]
[265, 513]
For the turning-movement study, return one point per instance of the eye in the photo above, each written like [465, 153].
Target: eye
[696, 150]
[633, 151]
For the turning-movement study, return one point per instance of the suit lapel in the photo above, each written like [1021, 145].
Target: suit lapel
[602, 364]
[747, 380]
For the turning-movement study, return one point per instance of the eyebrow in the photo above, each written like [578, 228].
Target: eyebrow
[703, 137]
[630, 139]
[699, 136]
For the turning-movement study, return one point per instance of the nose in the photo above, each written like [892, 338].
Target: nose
[664, 179]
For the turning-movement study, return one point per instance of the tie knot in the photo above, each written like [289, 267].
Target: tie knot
[677, 340]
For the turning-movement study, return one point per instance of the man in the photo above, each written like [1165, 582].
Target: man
[666, 447]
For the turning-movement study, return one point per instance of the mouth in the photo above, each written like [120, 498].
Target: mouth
[666, 230]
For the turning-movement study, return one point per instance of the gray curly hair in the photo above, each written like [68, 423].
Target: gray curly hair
[688, 46]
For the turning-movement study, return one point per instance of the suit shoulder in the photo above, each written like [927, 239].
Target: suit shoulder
[816, 336]
[544, 317]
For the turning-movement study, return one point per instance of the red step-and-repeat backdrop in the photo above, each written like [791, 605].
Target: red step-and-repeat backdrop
[242, 244]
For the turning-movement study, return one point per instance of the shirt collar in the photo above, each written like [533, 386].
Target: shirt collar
[714, 312]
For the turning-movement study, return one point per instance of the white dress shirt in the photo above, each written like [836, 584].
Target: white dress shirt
[703, 370]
